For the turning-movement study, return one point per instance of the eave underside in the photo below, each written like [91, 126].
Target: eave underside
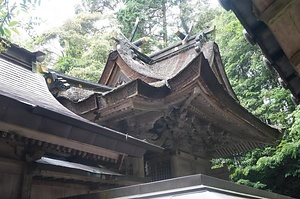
[274, 26]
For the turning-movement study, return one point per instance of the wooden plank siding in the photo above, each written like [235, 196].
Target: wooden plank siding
[10, 178]
[50, 191]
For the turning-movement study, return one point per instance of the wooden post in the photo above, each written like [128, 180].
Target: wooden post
[27, 181]
[138, 167]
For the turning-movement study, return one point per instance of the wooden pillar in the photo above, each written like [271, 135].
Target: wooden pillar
[135, 166]
[28, 170]
[138, 167]
[26, 181]
[183, 164]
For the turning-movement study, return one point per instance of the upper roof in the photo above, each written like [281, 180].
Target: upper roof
[179, 99]
[29, 109]
[165, 64]
[274, 25]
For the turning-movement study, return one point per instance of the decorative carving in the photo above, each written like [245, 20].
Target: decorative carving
[179, 129]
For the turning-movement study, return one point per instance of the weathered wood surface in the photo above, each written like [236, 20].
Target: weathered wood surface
[24, 94]
[19, 179]
[274, 25]
[192, 108]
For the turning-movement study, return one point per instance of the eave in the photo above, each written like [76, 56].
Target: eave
[194, 186]
[30, 111]
[274, 26]
[196, 92]
[48, 169]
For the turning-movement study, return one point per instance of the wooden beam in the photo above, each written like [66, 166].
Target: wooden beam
[88, 179]
[45, 137]
[276, 10]
[295, 60]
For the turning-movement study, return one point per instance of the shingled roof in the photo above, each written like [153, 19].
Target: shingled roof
[182, 100]
[29, 110]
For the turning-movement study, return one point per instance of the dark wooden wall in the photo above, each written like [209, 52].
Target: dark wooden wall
[16, 180]
[55, 190]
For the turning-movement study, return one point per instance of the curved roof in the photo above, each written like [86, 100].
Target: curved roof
[180, 101]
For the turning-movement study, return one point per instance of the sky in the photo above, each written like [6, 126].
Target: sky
[55, 12]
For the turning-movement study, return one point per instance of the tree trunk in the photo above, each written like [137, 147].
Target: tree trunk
[165, 32]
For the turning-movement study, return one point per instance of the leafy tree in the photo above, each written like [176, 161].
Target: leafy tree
[8, 11]
[153, 17]
[79, 47]
[275, 168]
[199, 12]
[160, 19]
[255, 86]
[92, 6]
[30, 26]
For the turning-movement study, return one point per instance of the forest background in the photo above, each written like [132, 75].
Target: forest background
[80, 46]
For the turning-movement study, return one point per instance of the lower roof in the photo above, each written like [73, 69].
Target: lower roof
[77, 166]
[55, 171]
[29, 109]
[195, 186]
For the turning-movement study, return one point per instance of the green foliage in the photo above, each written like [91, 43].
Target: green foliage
[275, 168]
[255, 86]
[83, 45]
[93, 6]
[8, 11]
[150, 14]
[199, 12]
[160, 19]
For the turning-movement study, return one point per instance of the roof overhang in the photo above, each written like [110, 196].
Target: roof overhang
[196, 186]
[274, 26]
[48, 169]
[28, 109]
[195, 98]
